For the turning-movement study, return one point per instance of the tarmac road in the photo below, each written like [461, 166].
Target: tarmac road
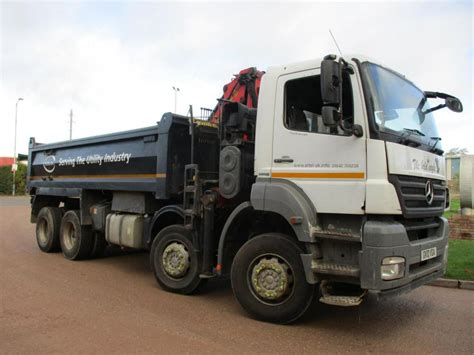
[49, 304]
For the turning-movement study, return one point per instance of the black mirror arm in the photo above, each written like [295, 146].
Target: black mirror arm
[354, 129]
[344, 129]
[434, 95]
[451, 102]
[342, 63]
[440, 106]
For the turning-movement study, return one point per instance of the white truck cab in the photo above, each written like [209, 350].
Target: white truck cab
[340, 172]
[348, 151]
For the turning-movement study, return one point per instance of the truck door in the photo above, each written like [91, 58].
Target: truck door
[327, 164]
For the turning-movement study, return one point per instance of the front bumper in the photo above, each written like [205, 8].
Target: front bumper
[407, 287]
[382, 239]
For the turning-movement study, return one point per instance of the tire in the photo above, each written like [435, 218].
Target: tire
[48, 224]
[76, 240]
[98, 245]
[269, 281]
[180, 274]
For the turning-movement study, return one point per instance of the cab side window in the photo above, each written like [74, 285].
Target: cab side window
[303, 105]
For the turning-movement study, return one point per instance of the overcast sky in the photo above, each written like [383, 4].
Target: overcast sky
[114, 63]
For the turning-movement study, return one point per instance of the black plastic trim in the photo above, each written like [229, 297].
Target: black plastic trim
[417, 197]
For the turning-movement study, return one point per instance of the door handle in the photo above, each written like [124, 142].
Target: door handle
[283, 160]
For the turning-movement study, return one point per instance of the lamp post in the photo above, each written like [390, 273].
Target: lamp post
[14, 166]
[176, 90]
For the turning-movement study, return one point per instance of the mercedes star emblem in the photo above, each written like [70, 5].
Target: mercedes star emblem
[429, 192]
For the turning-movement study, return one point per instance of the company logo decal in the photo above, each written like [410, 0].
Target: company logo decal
[427, 164]
[95, 159]
[49, 164]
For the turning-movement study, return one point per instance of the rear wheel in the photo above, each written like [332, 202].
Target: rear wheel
[75, 239]
[268, 279]
[48, 224]
[174, 261]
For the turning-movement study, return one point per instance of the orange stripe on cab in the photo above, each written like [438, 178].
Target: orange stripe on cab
[110, 176]
[341, 175]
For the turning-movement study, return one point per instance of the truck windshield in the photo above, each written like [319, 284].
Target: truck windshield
[399, 105]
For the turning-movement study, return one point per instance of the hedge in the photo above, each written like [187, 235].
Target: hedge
[6, 179]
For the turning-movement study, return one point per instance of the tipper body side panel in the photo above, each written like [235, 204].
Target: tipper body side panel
[150, 159]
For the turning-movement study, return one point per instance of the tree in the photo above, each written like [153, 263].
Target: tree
[6, 179]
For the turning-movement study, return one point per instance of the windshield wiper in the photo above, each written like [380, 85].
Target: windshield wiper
[412, 130]
[409, 131]
[405, 136]
[436, 139]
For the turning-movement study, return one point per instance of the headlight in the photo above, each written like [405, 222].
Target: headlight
[393, 267]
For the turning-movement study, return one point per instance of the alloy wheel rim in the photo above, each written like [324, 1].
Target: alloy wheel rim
[176, 260]
[271, 279]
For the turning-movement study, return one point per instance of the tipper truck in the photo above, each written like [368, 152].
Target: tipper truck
[322, 178]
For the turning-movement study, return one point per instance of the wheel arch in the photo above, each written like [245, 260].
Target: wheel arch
[240, 212]
[279, 201]
[243, 224]
[40, 201]
[164, 217]
[288, 200]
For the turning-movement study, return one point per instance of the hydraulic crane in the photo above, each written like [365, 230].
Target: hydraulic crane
[243, 88]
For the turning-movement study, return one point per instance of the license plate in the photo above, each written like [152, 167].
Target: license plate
[428, 254]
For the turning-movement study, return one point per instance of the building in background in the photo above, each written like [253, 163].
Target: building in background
[466, 184]
[6, 161]
[453, 163]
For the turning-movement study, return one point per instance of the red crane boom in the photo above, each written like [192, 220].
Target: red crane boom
[243, 88]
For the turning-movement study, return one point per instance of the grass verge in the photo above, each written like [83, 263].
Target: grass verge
[461, 260]
[454, 208]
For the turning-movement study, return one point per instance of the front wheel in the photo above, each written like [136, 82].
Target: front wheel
[268, 279]
[174, 260]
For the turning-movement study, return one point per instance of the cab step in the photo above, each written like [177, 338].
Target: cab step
[343, 301]
[343, 295]
[207, 275]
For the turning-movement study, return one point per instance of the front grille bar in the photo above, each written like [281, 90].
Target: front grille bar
[421, 225]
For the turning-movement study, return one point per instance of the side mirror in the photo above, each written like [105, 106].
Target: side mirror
[331, 119]
[330, 116]
[330, 82]
[454, 104]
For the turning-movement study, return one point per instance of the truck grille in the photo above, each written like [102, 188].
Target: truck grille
[413, 201]
[420, 228]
